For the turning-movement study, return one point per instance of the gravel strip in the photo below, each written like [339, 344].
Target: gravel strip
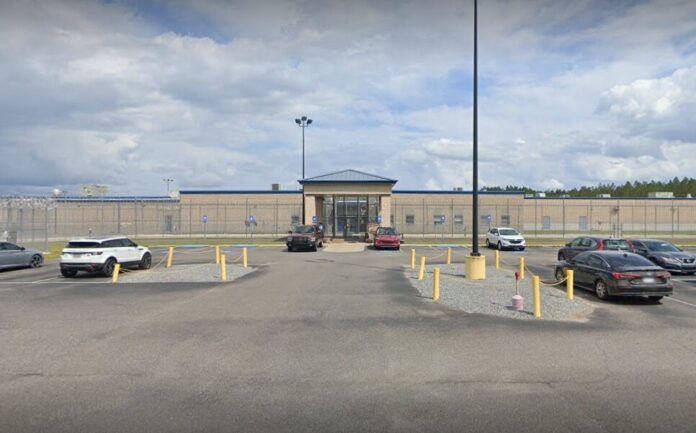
[202, 273]
[494, 294]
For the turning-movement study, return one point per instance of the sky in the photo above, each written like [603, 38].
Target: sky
[128, 93]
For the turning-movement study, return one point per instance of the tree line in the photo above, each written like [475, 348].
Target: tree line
[680, 188]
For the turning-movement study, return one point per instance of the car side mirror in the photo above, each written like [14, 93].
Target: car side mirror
[568, 244]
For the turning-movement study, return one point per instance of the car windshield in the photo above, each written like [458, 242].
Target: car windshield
[509, 232]
[661, 246]
[616, 244]
[83, 244]
[627, 260]
[304, 229]
[386, 231]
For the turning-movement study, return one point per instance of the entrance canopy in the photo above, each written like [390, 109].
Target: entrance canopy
[346, 201]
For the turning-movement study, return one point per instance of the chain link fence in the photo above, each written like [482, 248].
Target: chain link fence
[35, 222]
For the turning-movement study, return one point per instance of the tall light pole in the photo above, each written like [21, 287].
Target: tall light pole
[475, 222]
[303, 122]
[167, 181]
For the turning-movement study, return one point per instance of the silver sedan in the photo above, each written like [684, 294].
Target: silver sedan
[13, 256]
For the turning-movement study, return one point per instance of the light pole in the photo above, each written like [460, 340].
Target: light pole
[475, 222]
[167, 181]
[475, 263]
[303, 122]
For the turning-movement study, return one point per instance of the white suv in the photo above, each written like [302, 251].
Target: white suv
[505, 237]
[101, 255]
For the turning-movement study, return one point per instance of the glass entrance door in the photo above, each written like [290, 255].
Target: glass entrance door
[352, 214]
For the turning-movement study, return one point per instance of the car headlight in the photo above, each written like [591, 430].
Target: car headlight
[669, 260]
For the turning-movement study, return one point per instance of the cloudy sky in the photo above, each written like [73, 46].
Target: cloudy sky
[126, 93]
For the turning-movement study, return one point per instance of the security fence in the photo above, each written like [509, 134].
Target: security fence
[35, 222]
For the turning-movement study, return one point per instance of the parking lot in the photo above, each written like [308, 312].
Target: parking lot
[332, 341]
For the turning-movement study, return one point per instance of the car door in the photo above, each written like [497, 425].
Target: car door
[493, 239]
[640, 248]
[575, 248]
[131, 250]
[579, 266]
[597, 269]
[13, 255]
[4, 255]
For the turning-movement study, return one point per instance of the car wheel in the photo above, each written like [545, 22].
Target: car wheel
[36, 261]
[289, 249]
[398, 247]
[68, 273]
[655, 299]
[559, 274]
[561, 257]
[601, 290]
[488, 243]
[500, 246]
[145, 262]
[108, 269]
[522, 249]
[314, 248]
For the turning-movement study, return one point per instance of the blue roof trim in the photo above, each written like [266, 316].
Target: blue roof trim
[415, 191]
[237, 191]
[612, 198]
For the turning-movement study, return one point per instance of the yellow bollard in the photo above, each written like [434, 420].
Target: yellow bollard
[421, 271]
[537, 296]
[170, 256]
[413, 258]
[449, 256]
[223, 268]
[114, 276]
[521, 271]
[497, 259]
[244, 257]
[217, 254]
[569, 284]
[436, 284]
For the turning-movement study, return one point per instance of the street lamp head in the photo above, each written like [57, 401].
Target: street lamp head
[297, 121]
[309, 121]
[304, 118]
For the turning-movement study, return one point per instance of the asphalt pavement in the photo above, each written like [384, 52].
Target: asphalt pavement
[332, 342]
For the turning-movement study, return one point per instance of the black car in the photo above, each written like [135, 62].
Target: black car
[617, 273]
[666, 255]
[592, 243]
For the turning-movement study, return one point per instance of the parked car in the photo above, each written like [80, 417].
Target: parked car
[386, 237]
[592, 243]
[666, 255]
[617, 273]
[505, 237]
[101, 255]
[14, 256]
[305, 237]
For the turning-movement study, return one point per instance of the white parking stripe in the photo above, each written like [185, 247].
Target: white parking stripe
[681, 302]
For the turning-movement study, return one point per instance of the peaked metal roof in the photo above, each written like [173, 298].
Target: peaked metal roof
[348, 176]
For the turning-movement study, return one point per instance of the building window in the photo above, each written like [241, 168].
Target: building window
[438, 219]
[505, 220]
[459, 219]
[391, 220]
[410, 219]
[547, 223]
[295, 220]
[582, 222]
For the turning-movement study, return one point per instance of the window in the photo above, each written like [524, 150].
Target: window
[438, 219]
[577, 242]
[410, 219]
[295, 219]
[459, 219]
[547, 223]
[505, 220]
[597, 262]
[582, 223]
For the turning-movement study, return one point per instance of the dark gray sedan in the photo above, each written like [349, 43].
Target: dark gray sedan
[616, 273]
[14, 256]
[666, 255]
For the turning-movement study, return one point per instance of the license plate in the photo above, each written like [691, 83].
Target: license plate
[648, 280]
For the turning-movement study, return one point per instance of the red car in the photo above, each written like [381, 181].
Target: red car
[386, 237]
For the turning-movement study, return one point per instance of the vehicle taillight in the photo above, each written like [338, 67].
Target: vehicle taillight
[665, 275]
[601, 245]
[624, 276]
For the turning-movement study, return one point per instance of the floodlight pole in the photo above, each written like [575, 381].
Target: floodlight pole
[303, 122]
[474, 204]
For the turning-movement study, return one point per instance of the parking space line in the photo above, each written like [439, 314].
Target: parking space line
[680, 301]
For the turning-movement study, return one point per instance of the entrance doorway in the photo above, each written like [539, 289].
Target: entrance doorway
[347, 216]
